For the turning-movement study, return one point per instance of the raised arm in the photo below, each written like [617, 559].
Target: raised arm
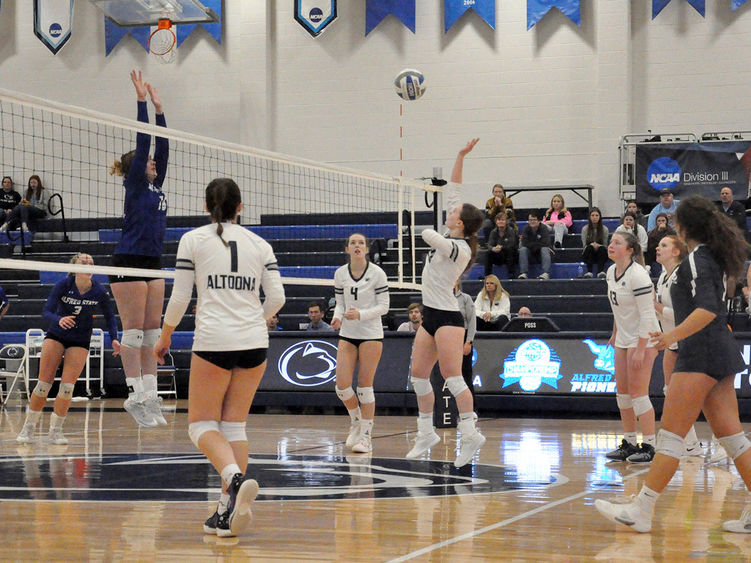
[137, 170]
[456, 173]
[161, 146]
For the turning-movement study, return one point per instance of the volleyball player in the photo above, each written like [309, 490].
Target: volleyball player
[362, 297]
[441, 336]
[70, 310]
[140, 298]
[630, 294]
[708, 359]
[228, 265]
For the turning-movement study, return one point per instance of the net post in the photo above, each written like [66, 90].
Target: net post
[412, 236]
[400, 231]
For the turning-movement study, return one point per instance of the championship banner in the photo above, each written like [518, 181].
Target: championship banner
[658, 5]
[376, 10]
[53, 22]
[315, 15]
[692, 168]
[454, 9]
[536, 10]
[735, 4]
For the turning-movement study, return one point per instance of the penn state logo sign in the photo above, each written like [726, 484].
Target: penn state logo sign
[308, 363]
[315, 15]
[53, 22]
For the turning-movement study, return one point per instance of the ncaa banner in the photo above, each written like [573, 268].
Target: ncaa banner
[693, 168]
[315, 15]
[376, 10]
[658, 5]
[53, 22]
[454, 9]
[536, 10]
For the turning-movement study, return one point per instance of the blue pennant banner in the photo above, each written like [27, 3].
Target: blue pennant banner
[315, 15]
[454, 9]
[53, 22]
[699, 6]
[376, 10]
[536, 10]
[735, 4]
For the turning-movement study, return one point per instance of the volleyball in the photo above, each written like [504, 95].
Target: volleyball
[409, 84]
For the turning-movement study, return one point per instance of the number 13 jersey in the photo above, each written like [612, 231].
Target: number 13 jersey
[631, 300]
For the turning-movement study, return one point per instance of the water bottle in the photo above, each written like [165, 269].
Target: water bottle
[580, 271]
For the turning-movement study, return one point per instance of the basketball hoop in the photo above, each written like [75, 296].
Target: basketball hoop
[162, 42]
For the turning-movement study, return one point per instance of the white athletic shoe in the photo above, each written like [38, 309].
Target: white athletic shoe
[363, 445]
[470, 446]
[56, 436]
[26, 434]
[138, 411]
[153, 406]
[742, 525]
[693, 449]
[627, 514]
[354, 433]
[423, 443]
[718, 451]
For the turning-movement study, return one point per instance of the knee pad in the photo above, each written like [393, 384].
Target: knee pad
[365, 395]
[345, 394]
[421, 386]
[42, 389]
[456, 385]
[132, 338]
[641, 404]
[151, 337]
[198, 429]
[735, 445]
[624, 401]
[233, 431]
[66, 391]
[669, 444]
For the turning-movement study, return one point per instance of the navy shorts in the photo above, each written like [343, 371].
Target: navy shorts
[134, 261]
[243, 359]
[67, 342]
[357, 341]
[433, 319]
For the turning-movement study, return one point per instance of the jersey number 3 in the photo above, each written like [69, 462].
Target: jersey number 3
[613, 298]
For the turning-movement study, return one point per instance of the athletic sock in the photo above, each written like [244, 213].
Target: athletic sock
[366, 426]
[223, 500]
[425, 422]
[466, 424]
[149, 385]
[32, 417]
[56, 421]
[135, 387]
[229, 471]
[646, 499]
[355, 414]
[630, 437]
[648, 439]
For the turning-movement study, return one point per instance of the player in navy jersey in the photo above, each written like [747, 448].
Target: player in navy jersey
[70, 310]
[362, 298]
[140, 299]
[708, 359]
[229, 266]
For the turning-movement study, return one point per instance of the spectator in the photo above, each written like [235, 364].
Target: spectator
[595, 242]
[467, 309]
[315, 314]
[492, 306]
[32, 207]
[558, 218]
[629, 225]
[524, 313]
[667, 205]
[9, 198]
[414, 312]
[503, 246]
[634, 208]
[653, 239]
[733, 209]
[272, 324]
[535, 243]
[499, 203]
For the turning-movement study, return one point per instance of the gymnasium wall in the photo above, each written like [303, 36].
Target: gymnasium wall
[549, 104]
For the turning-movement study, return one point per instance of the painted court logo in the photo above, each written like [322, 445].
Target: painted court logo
[308, 363]
[664, 172]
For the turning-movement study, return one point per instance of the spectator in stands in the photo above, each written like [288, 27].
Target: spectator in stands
[9, 199]
[633, 207]
[503, 246]
[467, 309]
[733, 209]
[535, 243]
[558, 218]
[524, 312]
[667, 205]
[499, 203]
[272, 324]
[414, 312]
[595, 242]
[629, 225]
[492, 305]
[315, 314]
[654, 237]
[32, 207]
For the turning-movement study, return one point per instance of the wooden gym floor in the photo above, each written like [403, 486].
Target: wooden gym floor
[119, 493]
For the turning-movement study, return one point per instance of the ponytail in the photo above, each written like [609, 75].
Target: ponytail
[472, 219]
[222, 199]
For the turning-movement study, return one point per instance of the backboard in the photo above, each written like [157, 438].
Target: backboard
[140, 13]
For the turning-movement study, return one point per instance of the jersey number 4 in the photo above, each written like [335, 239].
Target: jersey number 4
[353, 292]
[613, 298]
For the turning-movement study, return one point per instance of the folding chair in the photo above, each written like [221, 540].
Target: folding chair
[165, 376]
[13, 358]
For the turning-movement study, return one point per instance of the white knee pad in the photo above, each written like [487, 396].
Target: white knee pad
[365, 395]
[66, 391]
[151, 337]
[233, 431]
[345, 394]
[669, 444]
[641, 404]
[42, 389]
[132, 338]
[735, 445]
[624, 401]
[198, 429]
[456, 385]
[421, 386]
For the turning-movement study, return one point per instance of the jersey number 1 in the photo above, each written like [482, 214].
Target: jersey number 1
[233, 255]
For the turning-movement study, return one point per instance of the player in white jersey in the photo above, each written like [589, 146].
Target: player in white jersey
[362, 298]
[229, 265]
[630, 293]
[441, 336]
